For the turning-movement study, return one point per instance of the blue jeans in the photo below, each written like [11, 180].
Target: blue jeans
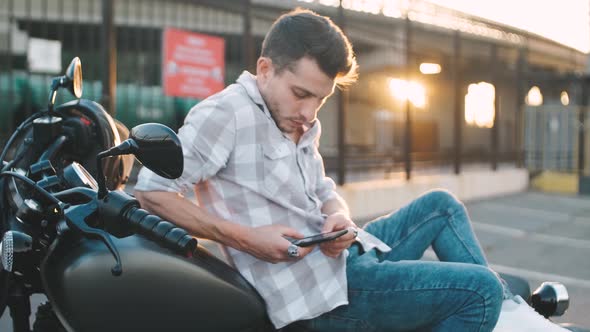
[395, 291]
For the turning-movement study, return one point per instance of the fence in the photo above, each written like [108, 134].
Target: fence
[367, 131]
[555, 139]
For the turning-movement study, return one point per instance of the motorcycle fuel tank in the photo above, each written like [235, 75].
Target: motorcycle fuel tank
[157, 291]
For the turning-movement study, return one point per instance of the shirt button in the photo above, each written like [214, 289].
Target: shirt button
[304, 150]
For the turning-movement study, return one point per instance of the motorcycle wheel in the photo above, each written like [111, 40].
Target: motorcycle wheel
[4, 276]
[46, 320]
[3, 290]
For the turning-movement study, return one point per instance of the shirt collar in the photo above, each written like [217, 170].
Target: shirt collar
[312, 134]
[248, 82]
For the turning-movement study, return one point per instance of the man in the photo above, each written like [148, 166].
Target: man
[251, 154]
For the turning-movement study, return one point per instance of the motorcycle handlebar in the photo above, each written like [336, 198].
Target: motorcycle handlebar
[160, 231]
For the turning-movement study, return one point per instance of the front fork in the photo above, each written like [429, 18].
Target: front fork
[19, 304]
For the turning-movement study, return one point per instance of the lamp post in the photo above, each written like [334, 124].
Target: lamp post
[109, 46]
[408, 129]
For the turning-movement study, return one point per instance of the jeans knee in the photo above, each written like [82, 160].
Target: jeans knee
[443, 199]
[491, 288]
[486, 296]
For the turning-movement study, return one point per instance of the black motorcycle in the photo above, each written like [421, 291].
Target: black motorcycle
[104, 263]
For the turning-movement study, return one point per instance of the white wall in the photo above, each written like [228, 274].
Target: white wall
[372, 198]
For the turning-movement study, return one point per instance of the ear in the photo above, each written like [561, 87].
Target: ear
[264, 68]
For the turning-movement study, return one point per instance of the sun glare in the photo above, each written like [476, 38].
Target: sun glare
[403, 90]
[565, 98]
[430, 68]
[479, 105]
[534, 97]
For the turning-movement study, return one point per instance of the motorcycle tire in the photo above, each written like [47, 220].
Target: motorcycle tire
[4, 284]
[46, 320]
[4, 276]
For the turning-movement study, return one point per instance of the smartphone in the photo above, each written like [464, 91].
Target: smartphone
[317, 238]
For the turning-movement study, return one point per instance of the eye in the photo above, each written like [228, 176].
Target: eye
[300, 95]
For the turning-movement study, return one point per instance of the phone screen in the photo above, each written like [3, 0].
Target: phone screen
[318, 238]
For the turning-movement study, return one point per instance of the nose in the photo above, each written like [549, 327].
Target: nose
[310, 110]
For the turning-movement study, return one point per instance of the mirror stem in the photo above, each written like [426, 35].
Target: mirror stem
[55, 83]
[128, 146]
[101, 180]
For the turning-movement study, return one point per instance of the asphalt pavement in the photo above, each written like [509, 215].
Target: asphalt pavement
[540, 237]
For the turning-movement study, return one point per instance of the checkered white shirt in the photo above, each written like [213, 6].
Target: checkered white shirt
[245, 170]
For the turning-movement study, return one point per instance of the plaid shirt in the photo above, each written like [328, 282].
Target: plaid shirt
[245, 170]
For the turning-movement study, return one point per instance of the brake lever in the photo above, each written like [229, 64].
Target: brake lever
[75, 217]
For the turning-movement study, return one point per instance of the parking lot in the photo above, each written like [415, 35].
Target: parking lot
[540, 237]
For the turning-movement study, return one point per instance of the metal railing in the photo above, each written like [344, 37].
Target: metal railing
[375, 132]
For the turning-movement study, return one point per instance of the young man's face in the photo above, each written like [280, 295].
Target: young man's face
[294, 96]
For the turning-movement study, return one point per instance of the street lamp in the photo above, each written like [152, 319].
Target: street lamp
[479, 105]
[534, 97]
[428, 68]
[403, 90]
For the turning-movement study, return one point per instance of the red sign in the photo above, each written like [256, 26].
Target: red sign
[193, 64]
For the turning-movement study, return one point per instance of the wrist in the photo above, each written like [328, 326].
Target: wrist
[234, 235]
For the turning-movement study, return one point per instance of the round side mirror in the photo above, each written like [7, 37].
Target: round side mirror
[550, 299]
[158, 148]
[74, 77]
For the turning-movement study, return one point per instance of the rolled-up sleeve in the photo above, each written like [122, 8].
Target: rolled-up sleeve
[207, 138]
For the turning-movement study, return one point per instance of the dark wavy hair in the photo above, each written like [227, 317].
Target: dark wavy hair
[301, 33]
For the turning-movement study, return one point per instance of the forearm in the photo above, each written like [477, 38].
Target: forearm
[335, 205]
[264, 242]
[194, 219]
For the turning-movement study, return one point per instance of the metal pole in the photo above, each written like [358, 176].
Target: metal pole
[408, 129]
[248, 40]
[495, 129]
[342, 104]
[457, 98]
[109, 44]
[581, 127]
[518, 114]
[11, 91]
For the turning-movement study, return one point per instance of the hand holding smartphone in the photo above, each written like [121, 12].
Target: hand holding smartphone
[317, 238]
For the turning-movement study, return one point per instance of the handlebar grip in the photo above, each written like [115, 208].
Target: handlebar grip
[161, 231]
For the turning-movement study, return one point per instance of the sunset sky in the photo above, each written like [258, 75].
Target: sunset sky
[566, 21]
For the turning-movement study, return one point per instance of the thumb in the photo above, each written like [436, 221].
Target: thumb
[329, 225]
[291, 232]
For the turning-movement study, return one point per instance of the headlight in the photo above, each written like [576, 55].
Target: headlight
[7, 251]
[13, 242]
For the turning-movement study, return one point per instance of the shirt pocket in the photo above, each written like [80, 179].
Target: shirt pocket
[279, 164]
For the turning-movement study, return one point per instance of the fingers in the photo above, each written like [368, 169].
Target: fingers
[287, 231]
[337, 222]
[329, 225]
[331, 252]
[347, 238]
[334, 248]
[301, 252]
[354, 231]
